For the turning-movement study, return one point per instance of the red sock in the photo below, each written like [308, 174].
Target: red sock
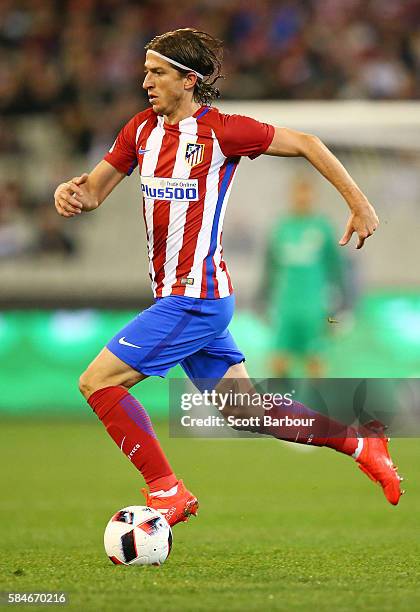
[322, 432]
[129, 425]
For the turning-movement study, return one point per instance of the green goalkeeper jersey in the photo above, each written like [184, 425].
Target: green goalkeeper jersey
[304, 266]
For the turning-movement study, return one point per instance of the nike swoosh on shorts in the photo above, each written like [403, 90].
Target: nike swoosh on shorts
[125, 343]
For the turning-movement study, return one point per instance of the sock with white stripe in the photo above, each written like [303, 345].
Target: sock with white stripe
[323, 431]
[129, 425]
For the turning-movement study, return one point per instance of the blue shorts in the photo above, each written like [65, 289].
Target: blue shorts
[176, 329]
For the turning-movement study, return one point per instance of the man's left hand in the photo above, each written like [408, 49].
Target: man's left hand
[364, 222]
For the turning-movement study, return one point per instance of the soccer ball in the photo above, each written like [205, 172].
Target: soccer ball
[138, 535]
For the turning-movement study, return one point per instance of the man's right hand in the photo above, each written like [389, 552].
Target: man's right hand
[73, 197]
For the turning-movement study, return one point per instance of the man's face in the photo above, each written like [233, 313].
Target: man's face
[164, 84]
[302, 196]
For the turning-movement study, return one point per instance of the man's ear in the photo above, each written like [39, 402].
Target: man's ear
[190, 81]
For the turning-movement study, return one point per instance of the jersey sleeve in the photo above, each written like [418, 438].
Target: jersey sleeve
[244, 137]
[123, 155]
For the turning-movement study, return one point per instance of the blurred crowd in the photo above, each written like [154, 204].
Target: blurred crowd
[82, 59]
[80, 63]
[30, 228]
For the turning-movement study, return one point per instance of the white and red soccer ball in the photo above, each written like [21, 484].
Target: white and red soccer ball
[138, 535]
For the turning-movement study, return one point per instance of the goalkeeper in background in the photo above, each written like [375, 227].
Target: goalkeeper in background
[304, 275]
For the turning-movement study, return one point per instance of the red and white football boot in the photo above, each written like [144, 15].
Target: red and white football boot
[175, 508]
[375, 461]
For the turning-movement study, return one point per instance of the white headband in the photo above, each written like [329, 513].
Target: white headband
[171, 61]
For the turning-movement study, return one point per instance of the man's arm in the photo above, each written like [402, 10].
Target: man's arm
[86, 192]
[290, 143]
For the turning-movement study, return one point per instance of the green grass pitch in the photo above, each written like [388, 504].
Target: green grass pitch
[277, 529]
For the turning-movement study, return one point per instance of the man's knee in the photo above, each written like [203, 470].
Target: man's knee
[88, 384]
[107, 371]
[231, 410]
[92, 380]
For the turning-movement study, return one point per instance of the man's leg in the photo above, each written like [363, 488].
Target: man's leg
[105, 386]
[329, 432]
[370, 452]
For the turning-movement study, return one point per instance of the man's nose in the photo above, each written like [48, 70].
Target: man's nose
[147, 81]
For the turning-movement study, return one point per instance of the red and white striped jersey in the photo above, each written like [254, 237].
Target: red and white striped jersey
[186, 171]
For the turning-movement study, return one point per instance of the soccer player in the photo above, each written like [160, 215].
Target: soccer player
[187, 153]
[302, 269]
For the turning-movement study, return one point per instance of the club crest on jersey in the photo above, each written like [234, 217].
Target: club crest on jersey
[194, 153]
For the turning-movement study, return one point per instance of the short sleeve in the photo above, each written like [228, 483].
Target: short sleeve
[244, 137]
[122, 155]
